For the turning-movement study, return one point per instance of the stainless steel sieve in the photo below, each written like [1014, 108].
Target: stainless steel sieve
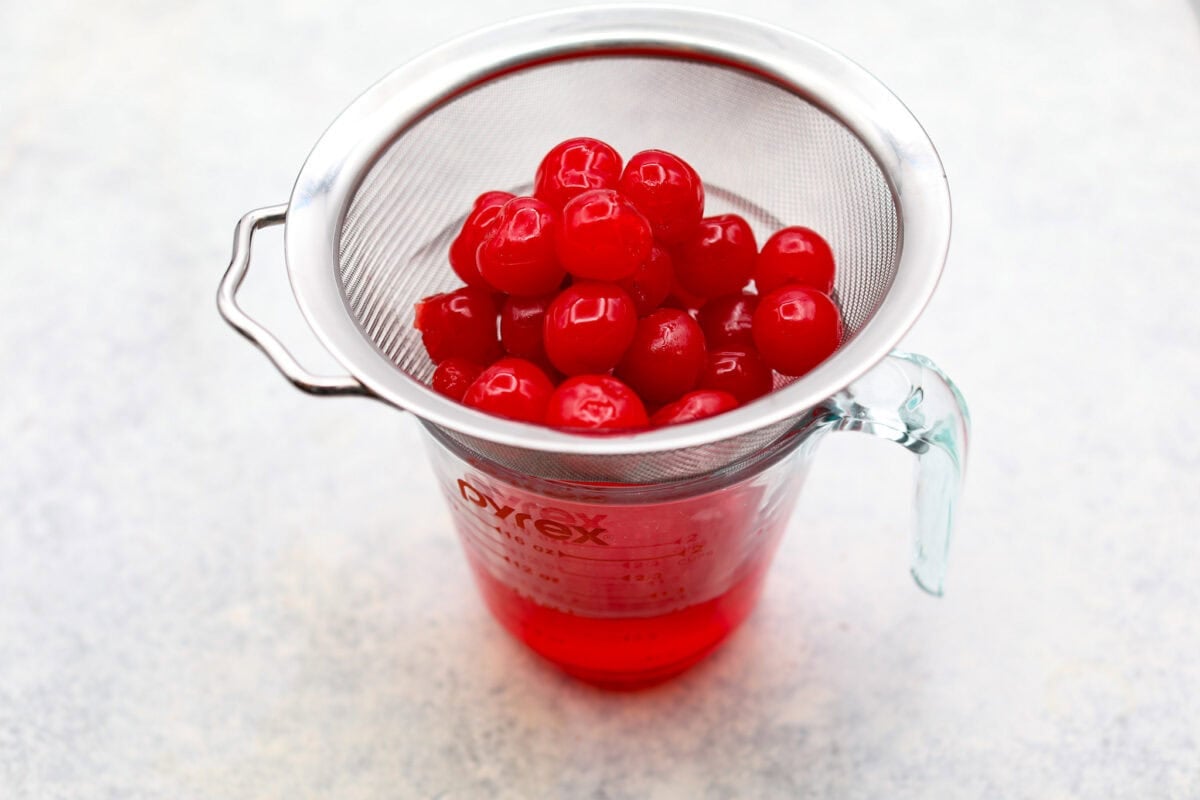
[784, 131]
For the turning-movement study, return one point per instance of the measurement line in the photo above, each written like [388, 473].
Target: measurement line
[595, 576]
[655, 607]
[623, 560]
[485, 544]
[642, 597]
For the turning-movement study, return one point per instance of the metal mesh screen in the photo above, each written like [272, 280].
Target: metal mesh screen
[763, 152]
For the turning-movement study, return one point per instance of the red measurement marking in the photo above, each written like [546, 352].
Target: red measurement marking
[623, 560]
[484, 543]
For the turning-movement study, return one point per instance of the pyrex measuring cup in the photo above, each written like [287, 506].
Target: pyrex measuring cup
[627, 584]
[624, 558]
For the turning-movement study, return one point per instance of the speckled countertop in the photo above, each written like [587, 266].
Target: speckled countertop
[208, 587]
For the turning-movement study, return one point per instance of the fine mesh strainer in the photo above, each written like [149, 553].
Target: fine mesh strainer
[784, 132]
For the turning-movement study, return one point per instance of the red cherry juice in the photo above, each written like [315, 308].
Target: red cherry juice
[619, 588]
[622, 652]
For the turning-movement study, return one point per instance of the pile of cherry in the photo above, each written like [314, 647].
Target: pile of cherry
[615, 295]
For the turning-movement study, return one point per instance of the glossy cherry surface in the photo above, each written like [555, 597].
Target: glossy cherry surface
[454, 376]
[667, 191]
[512, 388]
[602, 236]
[796, 328]
[573, 167]
[588, 328]
[693, 406]
[665, 358]
[741, 373]
[726, 321]
[595, 402]
[794, 256]
[650, 283]
[717, 257]
[517, 254]
[681, 298]
[609, 281]
[522, 326]
[485, 212]
[459, 324]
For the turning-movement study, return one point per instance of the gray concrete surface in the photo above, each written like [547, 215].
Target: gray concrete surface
[212, 586]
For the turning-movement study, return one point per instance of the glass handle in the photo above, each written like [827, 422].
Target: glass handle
[906, 398]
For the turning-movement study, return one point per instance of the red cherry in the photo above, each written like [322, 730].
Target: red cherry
[796, 328]
[718, 257]
[492, 198]
[517, 255]
[794, 256]
[522, 322]
[681, 298]
[573, 167]
[693, 406]
[741, 373]
[459, 324]
[726, 321]
[651, 282]
[667, 191]
[602, 236]
[481, 221]
[588, 327]
[454, 376]
[666, 356]
[597, 402]
[513, 388]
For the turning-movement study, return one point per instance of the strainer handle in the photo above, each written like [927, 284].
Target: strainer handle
[243, 236]
[909, 400]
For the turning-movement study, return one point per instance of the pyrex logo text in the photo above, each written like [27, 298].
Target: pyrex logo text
[550, 528]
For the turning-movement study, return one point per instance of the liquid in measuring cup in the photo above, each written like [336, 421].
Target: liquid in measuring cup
[619, 594]
[621, 651]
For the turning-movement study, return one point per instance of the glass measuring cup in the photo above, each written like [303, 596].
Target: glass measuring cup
[625, 585]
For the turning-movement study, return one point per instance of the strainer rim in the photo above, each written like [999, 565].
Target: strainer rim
[347, 150]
